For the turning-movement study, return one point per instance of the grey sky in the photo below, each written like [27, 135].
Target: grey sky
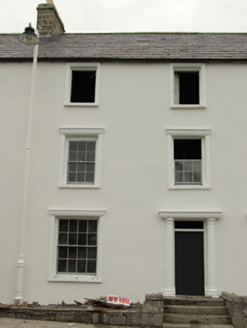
[131, 15]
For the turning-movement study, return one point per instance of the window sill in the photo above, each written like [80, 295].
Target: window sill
[76, 278]
[81, 104]
[189, 187]
[188, 106]
[71, 186]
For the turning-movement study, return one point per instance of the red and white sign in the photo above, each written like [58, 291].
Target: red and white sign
[118, 300]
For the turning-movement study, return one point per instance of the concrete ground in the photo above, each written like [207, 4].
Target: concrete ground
[22, 323]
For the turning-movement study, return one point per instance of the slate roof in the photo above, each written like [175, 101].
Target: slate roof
[131, 46]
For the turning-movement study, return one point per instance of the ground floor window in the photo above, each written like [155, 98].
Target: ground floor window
[76, 245]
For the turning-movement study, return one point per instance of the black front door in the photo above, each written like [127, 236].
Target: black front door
[189, 262]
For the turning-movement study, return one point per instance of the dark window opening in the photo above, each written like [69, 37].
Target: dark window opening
[187, 149]
[188, 88]
[188, 161]
[188, 224]
[83, 87]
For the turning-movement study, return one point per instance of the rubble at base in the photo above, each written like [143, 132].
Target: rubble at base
[93, 311]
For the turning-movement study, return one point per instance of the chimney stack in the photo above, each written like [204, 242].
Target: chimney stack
[48, 21]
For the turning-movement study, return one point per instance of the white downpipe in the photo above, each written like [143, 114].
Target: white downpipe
[21, 259]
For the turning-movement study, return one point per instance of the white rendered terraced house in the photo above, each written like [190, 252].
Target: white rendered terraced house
[136, 178]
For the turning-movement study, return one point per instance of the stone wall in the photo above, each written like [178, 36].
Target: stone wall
[153, 310]
[150, 314]
[237, 306]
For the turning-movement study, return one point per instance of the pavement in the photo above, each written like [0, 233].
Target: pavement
[22, 323]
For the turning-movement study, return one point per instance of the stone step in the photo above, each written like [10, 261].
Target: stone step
[194, 300]
[183, 325]
[195, 309]
[196, 319]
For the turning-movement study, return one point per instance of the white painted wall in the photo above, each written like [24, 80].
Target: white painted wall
[134, 110]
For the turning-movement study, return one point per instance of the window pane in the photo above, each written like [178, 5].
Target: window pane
[73, 145]
[63, 225]
[90, 167]
[178, 166]
[82, 252]
[91, 146]
[188, 165]
[72, 167]
[82, 239]
[188, 177]
[81, 177]
[91, 266]
[62, 266]
[81, 156]
[81, 266]
[71, 266]
[90, 156]
[72, 239]
[72, 177]
[178, 177]
[82, 146]
[72, 156]
[81, 167]
[92, 239]
[92, 253]
[62, 252]
[83, 225]
[72, 252]
[63, 239]
[92, 225]
[72, 225]
[197, 177]
[197, 166]
[90, 177]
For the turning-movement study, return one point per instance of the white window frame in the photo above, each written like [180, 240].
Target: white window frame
[79, 134]
[184, 67]
[204, 135]
[55, 215]
[81, 67]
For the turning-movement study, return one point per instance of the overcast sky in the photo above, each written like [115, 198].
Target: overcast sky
[131, 15]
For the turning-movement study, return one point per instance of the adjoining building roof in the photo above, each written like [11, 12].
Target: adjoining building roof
[130, 46]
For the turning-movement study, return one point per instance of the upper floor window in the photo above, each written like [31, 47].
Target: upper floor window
[188, 86]
[82, 84]
[188, 161]
[80, 157]
[189, 156]
[81, 161]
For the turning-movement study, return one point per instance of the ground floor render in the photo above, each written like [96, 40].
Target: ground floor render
[172, 252]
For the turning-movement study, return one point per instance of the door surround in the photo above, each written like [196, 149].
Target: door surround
[209, 219]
